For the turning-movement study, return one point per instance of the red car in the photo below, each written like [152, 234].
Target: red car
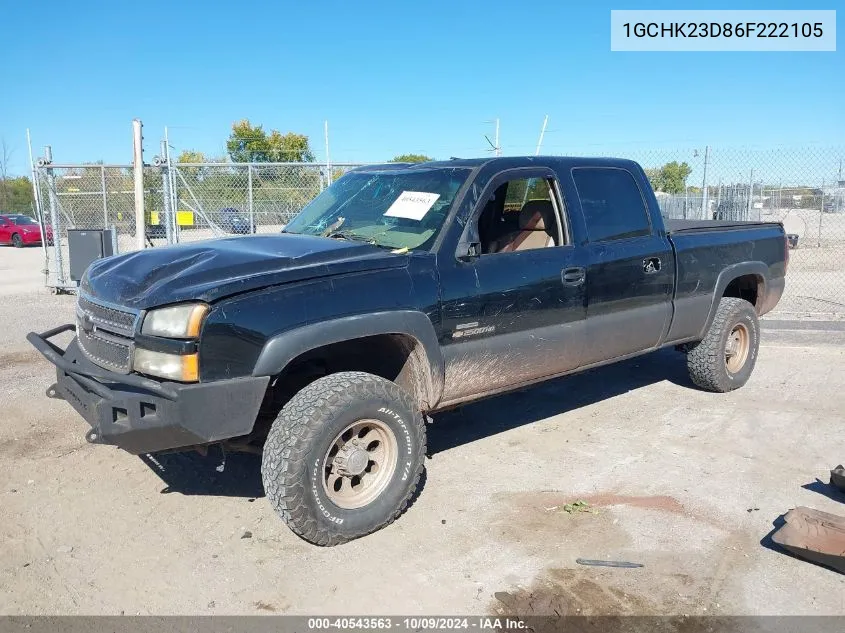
[20, 230]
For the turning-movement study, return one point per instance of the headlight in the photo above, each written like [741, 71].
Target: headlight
[181, 321]
[182, 367]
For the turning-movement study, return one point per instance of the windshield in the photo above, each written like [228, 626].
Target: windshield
[394, 209]
[21, 220]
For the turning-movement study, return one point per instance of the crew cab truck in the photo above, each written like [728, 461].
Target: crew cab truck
[403, 290]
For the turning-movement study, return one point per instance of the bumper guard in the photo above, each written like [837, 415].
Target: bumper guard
[142, 415]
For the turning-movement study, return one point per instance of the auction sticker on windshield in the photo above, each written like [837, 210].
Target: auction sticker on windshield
[412, 205]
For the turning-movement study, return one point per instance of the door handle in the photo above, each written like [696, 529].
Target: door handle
[573, 276]
[651, 265]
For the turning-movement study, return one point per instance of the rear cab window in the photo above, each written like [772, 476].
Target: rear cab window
[612, 203]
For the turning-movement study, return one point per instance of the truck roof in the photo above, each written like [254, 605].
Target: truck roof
[506, 162]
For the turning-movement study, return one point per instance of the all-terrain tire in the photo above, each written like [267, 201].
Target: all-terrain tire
[296, 452]
[17, 241]
[707, 362]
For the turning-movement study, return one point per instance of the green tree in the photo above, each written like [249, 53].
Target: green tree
[190, 156]
[16, 195]
[670, 178]
[249, 143]
[411, 158]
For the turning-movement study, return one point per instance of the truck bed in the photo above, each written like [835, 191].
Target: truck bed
[679, 226]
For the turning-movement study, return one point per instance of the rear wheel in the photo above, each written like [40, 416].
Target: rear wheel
[344, 457]
[17, 241]
[724, 359]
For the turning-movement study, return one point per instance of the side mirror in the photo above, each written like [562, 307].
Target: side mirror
[468, 250]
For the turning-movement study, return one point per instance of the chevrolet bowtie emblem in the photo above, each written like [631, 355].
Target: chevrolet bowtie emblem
[87, 324]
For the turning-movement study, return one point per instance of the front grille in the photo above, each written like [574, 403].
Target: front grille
[107, 353]
[111, 318]
[105, 334]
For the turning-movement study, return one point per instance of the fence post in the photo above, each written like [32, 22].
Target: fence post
[821, 214]
[165, 194]
[105, 199]
[138, 165]
[704, 206]
[54, 216]
[750, 195]
[249, 198]
[719, 196]
[174, 203]
[173, 189]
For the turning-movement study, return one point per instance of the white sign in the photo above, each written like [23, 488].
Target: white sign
[723, 30]
[412, 205]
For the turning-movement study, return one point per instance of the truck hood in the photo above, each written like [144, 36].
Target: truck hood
[214, 269]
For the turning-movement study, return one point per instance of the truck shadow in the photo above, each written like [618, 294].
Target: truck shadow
[239, 474]
[215, 474]
[826, 489]
[495, 415]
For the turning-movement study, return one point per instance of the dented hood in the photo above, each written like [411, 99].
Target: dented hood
[214, 269]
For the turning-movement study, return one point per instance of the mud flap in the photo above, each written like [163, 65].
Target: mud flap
[815, 536]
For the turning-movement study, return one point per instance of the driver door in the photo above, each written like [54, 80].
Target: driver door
[514, 313]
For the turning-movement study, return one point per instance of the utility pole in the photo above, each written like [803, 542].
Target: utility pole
[498, 147]
[542, 133]
[36, 192]
[138, 170]
[328, 159]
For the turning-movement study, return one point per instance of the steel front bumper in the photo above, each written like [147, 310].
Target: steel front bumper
[141, 415]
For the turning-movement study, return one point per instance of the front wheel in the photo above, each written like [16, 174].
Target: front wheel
[344, 457]
[724, 359]
[17, 241]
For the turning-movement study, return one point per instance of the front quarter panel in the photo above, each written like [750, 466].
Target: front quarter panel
[238, 329]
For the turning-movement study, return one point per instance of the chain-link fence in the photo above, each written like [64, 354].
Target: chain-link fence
[801, 187]
[182, 202]
[804, 188]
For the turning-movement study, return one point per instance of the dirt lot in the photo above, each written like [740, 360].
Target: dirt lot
[685, 482]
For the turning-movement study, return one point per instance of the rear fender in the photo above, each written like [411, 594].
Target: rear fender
[758, 269]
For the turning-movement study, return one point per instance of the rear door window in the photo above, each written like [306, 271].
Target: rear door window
[613, 205]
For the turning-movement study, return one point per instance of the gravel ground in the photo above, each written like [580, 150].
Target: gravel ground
[685, 482]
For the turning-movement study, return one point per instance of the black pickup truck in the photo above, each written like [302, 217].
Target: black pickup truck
[400, 291]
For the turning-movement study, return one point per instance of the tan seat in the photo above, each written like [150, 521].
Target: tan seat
[537, 228]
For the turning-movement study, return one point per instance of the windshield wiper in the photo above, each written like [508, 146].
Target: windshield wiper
[353, 237]
[331, 228]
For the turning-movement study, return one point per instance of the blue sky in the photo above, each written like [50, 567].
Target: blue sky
[393, 77]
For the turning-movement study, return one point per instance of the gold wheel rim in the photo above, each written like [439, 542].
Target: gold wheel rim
[360, 463]
[737, 347]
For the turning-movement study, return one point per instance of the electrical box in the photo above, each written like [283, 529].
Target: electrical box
[86, 245]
